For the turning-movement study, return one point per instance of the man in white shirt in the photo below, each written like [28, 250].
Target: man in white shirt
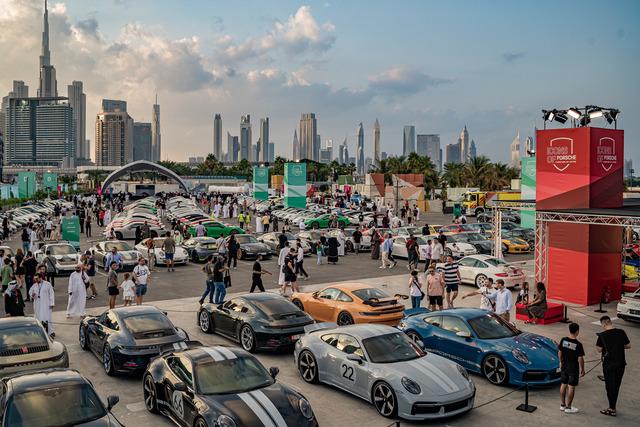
[436, 250]
[48, 225]
[503, 299]
[141, 274]
[201, 231]
[302, 225]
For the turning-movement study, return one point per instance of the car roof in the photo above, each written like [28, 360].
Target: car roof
[16, 322]
[204, 354]
[350, 286]
[40, 380]
[465, 313]
[263, 296]
[136, 310]
[364, 330]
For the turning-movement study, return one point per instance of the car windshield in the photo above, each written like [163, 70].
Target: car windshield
[229, 376]
[490, 326]
[495, 262]
[120, 246]
[55, 406]
[391, 348]
[473, 237]
[414, 230]
[148, 322]
[22, 337]
[370, 293]
[247, 239]
[290, 237]
[421, 241]
[62, 250]
[455, 238]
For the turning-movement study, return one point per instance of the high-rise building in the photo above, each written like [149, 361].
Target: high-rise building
[217, 137]
[20, 90]
[245, 138]
[263, 149]
[307, 135]
[360, 166]
[472, 150]
[272, 152]
[464, 145]
[429, 145]
[628, 169]
[317, 145]
[233, 148]
[408, 140]
[48, 84]
[296, 146]
[78, 102]
[113, 105]
[141, 141]
[515, 152]
[376, 143]
[114, 138]
[256, 151]
[156, 140]
[529, 147]
[344, 152]
[383, 155]
[453, 152]
[326, 153]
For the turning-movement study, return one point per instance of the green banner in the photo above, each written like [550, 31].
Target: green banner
[70, 230]
[26, 184]
[260, 183]
[295, 185]
[528, 216]
[50, 181]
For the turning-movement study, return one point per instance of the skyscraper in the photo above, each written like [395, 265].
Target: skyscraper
[245, 138]
[78, 102]
[217, 137]
[326, 154]
[48, 84]
[114, 138]
[360, 151]
[464, 145]
[113, 105]
[317, 145]
[308, 132]
[264, 140]
[472, 150]
[408, 140]
[141, 141]
[453, 153]
[429, 145]
[296, 146]
[529, 147]
[376, 143]
[233, 148]
[515, 152]
[272, 152]
[156, 140]
[343, 154]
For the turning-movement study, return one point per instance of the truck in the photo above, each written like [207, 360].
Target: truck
[475, 202]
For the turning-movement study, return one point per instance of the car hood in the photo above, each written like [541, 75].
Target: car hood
[255, 247]
[536, 347]
[106, 421]
[461, 246]
[66, 258]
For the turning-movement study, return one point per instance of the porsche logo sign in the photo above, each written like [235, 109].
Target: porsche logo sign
[560, 153]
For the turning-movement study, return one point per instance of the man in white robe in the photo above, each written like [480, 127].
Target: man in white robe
[341, 240]
[77, 293]
[107, 217]
[281, 260]
[259, 228]
[43, 298]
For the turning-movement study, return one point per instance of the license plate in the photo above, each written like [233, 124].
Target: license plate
[636, 312]
[295, 337]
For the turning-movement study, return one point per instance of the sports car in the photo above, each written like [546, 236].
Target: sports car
[458, 247]
[515, 245]
[484, 343]
[348, 303]
[256, 321]
[180, 256]
[25, 346]
[400, 247]
[479, 241]
[524, 234]
[199, 248]
[322, 221]
[66, 256]
[129, 255]
[457, 228]
[410, 231]
[127, 338]
[475, 270]
[349, 244]
[629, 306]
[250, 247]
[126, 228]
[217, 229]
[54, 397]
[382, 366]
[271, 240]
[221, 387]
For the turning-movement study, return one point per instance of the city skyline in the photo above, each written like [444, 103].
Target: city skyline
[111, 46]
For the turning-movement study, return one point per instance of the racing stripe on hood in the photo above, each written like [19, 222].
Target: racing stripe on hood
[213, 353]
[258, 410]
[228, 354]
[446, 384]
[429, 375]
[452, 385]
[268, 405]
[179, 345]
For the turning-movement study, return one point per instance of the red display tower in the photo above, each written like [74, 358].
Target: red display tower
[581, 168]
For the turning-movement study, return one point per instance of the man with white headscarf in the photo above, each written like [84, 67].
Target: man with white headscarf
[44, 300]
[77, 292]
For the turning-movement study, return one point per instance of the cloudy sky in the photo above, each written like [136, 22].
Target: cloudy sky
[491, 65]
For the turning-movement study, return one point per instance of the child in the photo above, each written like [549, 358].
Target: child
[128, 289]
[523, 295]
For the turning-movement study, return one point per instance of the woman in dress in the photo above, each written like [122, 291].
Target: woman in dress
[537, 308]
[375, 244]
[332, 252]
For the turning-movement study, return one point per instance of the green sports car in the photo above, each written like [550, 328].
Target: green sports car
[217, 229]
[323, 221]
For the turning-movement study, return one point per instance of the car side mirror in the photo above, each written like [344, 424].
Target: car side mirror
[463, 334]
[354, 358]
[315, 294]
[112, 401]
[274, 372]
[180, 386]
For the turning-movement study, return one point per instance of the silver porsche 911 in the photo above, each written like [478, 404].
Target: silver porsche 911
[380, 364]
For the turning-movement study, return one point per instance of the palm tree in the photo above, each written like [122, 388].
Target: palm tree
[453, 175]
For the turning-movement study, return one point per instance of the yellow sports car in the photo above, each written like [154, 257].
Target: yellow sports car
[515, 245]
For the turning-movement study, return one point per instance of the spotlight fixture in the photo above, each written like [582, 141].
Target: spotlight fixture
[581, 116]
[574, 113]
[585, 120]
[548, 115]
[595, 113]
[561, 117]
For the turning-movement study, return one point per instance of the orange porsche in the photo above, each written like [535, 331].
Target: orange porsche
[349, 303]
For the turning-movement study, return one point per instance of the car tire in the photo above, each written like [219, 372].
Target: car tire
[298, 304]
[200, 423]
[247, 338]
[194, 257]
[495, 370]
[413, 336]
[315, 225]
[107, 360]
[118, 235]
[348, 246]
[505, 248]
[384, 399]
[344, 318]
[154, 234]
[150, 394]
[480, 280]
[205, 322]
[83, 337]
[308, 367]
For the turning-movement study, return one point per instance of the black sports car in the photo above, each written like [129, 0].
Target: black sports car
[256, 321]
[199, 248]
[221, 387]
[250, 247]
[127, 338]
[55, 397]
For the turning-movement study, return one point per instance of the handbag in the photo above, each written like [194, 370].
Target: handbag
[227, 280]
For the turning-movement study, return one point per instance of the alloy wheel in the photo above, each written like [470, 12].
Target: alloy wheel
[247, 338]
[307, 367]
[83, 338]
[481, 279]
[415, 338]
[495, 370]
[344, 318]
[205, 324]
[384, 399]
[149, 393]
[107, 360]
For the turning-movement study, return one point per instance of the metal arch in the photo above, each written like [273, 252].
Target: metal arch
[142, 166]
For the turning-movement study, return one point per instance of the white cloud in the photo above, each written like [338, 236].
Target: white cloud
[299, 33]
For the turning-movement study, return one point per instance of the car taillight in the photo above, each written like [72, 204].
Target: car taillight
[501, 275]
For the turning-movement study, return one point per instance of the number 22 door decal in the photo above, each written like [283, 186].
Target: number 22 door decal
[347, 372]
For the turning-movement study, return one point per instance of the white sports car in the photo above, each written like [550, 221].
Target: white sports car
[629, 306]
[458, 247]
[181, 256]
[400, 247]
[66, 256]
[383, 366]
[475, 270]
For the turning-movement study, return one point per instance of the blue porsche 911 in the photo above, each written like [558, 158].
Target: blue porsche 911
[484, 343]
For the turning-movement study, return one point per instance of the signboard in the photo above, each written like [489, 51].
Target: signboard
[260, 183]
[295, 185]
[49, 181]
[26, 184]
[70, 230]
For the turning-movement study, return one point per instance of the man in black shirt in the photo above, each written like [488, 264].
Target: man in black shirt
[357, 240]
[425, 230]
[612, 343]
[218, 280]
[571, 355]
[256, 277]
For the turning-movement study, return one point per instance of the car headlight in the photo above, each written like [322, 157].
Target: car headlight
[520, 356]
[463, 372]
[305, 408]
[225, 421]
[410, 385]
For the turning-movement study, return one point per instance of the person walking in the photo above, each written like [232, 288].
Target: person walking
[265, 222]
[415, 289]
[50, 268]
[30, 265]
[218, 280]
[232, 249]
[77, 293]
[342, 251]
[483, 291]
[413, 253]
[141, 275]
[284, 251]
[48, 225]
[428, 250]
[25, 238]
[87, 225]
[209, 289]
[300, 271]
[43, 297]
[451, 280]
[112, 284]
[537, 308]
[375, 243]
[290, 277]
[6, 273]
[241, 220]
[387, 246]
[319, 252]
[571, 356]
[169, 248]
[357, 240]
[611, 343]
[90, 270]
[503, 300]
[332, 250]
[151, 253]
[437, 250]
[435, 288]
[256, 277]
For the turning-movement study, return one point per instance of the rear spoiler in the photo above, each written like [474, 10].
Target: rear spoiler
[179, 346]
[319, 327]
[415, 311]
